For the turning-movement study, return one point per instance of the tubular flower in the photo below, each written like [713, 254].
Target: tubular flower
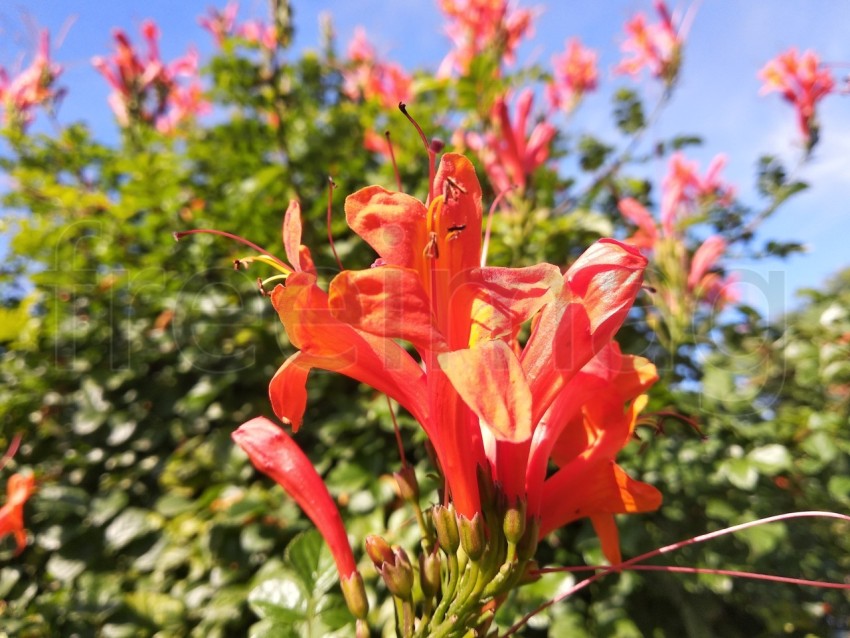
[575, 74]
[275, 454]
[146, 89]
[32, 87]
[220, 24]
[372, 79]
[510, 154]
[18, 490]
[478, 395]
[476, 26]
[657, 47]
[802, 81]
[490, 405]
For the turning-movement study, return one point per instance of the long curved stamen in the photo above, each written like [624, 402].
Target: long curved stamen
[823, 584]
[13, 449]
[331, 187]
[272, 260]
[486, 244]
[392, 157]
[397, 430]
[665, 550]
[430, 147]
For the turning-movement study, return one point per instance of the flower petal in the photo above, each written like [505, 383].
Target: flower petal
[601, 488]
[386, 302]
[489, 378]
[275, 454]
[392, 223]
[330, 344]
[599, 290]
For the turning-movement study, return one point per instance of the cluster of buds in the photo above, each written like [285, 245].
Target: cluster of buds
[145, 89]
[464, 565]
[32, 87]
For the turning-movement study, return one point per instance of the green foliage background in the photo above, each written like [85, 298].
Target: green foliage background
[126, 361]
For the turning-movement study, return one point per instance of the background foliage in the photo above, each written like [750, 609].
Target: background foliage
[127, 360]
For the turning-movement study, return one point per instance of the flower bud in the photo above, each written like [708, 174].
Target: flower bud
[445, 524]
[472, 537]
[379, 550]
[513, 524]
[408, 487]
[398, 574]
[528, 543]
[355, 595]
[429, 573]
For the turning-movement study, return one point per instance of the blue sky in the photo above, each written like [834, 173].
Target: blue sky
[718, 97]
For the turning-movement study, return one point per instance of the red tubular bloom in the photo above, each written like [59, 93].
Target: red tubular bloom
[575, 74]
[274, 453]
[654, 46]
[18, 490]
[33, 86]
[483, 400]
[803, 82]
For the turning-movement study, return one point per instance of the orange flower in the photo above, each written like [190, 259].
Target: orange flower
[18, 490]
[485, 400]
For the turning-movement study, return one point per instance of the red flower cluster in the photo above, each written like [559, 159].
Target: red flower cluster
[18, 490]
[30, 88]
[372, 79]
[511, 154]
[803, 82]
[656, 47]
[147, 89]
[478, 25]
[488, 403]
[575, 74]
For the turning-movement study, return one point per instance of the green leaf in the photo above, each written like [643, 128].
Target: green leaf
[740, 472]
[282, 599]
[839, 488]
[310, 557]
[770, 459]
[161, 610]
[131, 524]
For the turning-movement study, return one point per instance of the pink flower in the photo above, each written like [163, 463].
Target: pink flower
[220, 24]
[684, 188]
[274, 453]
[257, 32]
[478, 25]
[656, 47]
[372, 79]
[803, 82]
[575, 73]
[145, 88]
[635, 212]
[32, 87]
[511, 155]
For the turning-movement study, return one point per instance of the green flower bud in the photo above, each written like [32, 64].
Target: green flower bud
[445, 524]
[408, 487]
[355, 595]
[472, 537]
[378, 550]
[528, 543]
[398, 574]
[513, 525]
[429, 573]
